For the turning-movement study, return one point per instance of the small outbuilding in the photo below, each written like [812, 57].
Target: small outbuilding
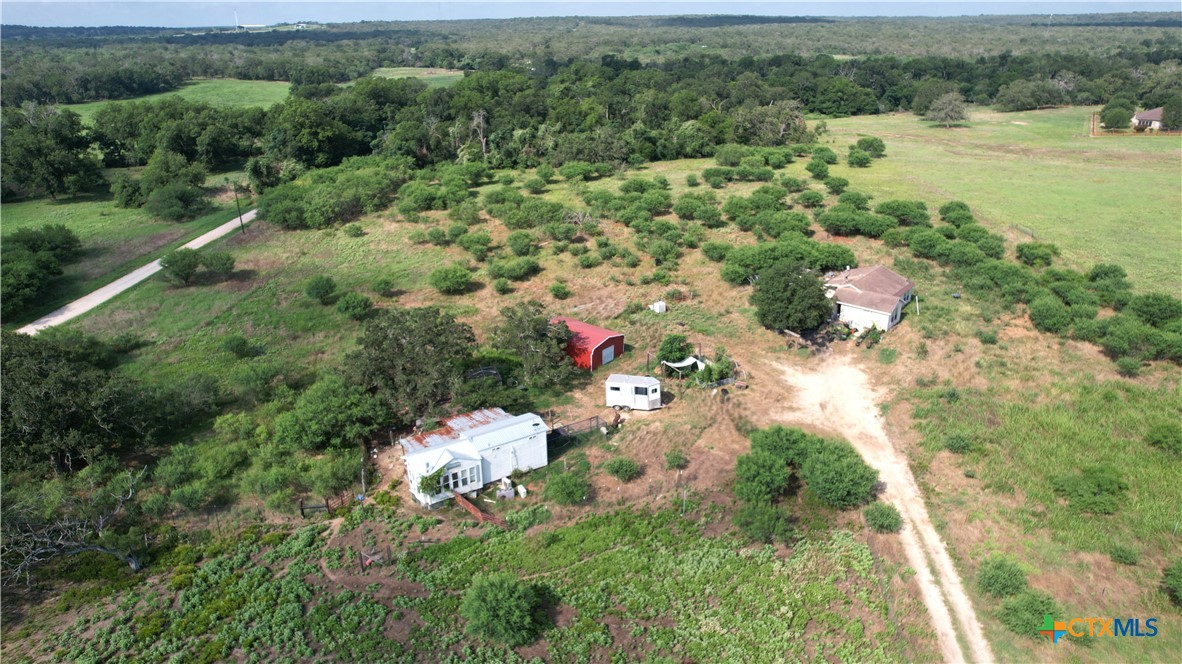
[632, 392]
[472, 450]
[590, 346]
[869, 296]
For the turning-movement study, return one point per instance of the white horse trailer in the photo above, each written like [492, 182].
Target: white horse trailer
[633, 392]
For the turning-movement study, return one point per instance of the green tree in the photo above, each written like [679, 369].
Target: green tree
[450, 280]
[331, 414]
[502, 608]
[788, 298]
[176, 202]
[46, 151]
[181, 265]
[61, 406]
[872, 146]
[674, 348]
[928, 92]
[410, 358]
[948, 110]
[526, 331]
[1171, 114]
[818, 168]
[1117, 117]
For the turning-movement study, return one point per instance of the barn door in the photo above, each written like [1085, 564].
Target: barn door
[609, 354]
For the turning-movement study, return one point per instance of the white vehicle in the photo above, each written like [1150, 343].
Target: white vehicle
[633, 392]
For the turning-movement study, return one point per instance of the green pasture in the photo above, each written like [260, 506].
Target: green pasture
[115, 241]
[216, 92]
[1101, 200]
[432, 76]
[1023, 439]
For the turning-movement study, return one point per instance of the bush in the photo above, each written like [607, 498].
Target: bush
[220, 263]
[535, 185]
[176, 202]
[819, 169]
[450, 280]
[1166, 436]
[872, 146]
[716, 251]
[676, 460]
[181, 265]
[691, 180]
[239, 346]
[958, 443]
[762, 522]
[527, 517]
[825, 154]
[1129, 367]
[354, 230]
[1037, 254]
[760, 477]
[1124, 555]
[560, 291]
[883, 518]
[589, 260]
[567, 489]
[354, 305]
[836, 185]
[858, 159]
[321, 289]
[502, 286]
[856, 199]
[1172, 581]
[1023, 613]
[504, 609]
[1000, 577]
[810, 199]
[622, 469]
[1095, 489]
[517, 269]
[1157, 309]
[1049, 314]
[839, 476]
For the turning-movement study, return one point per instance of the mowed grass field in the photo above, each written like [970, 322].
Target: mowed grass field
[217, 92]
[1101, 200]
[432, 76]
[115, 241]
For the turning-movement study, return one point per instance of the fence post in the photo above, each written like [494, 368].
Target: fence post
[302, 508]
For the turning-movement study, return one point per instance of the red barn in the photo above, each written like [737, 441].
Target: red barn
[591, 347]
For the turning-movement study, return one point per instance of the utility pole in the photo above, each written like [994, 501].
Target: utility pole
[241, 225]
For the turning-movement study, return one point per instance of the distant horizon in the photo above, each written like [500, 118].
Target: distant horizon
[171, 14]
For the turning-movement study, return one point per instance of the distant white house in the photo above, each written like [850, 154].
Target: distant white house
[1148, 119]
[632, 392]
[869, 296]
[473, 449]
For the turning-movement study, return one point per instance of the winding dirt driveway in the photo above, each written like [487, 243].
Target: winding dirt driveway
[836, 396]
[101, 295]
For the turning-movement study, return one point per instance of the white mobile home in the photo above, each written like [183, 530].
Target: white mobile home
[472, 450]
[632, 392]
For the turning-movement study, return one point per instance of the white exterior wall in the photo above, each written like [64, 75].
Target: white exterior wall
[624, 394]
[862, 319]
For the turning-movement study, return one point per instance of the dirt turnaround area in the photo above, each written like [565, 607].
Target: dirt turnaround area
[835, 397]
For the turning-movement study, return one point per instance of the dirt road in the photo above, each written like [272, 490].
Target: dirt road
[97, 297]
[836, 396]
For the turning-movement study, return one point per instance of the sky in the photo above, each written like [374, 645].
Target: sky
[170, 13]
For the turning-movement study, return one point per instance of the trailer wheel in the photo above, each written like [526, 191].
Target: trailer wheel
[627, 409]
[616, 408]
